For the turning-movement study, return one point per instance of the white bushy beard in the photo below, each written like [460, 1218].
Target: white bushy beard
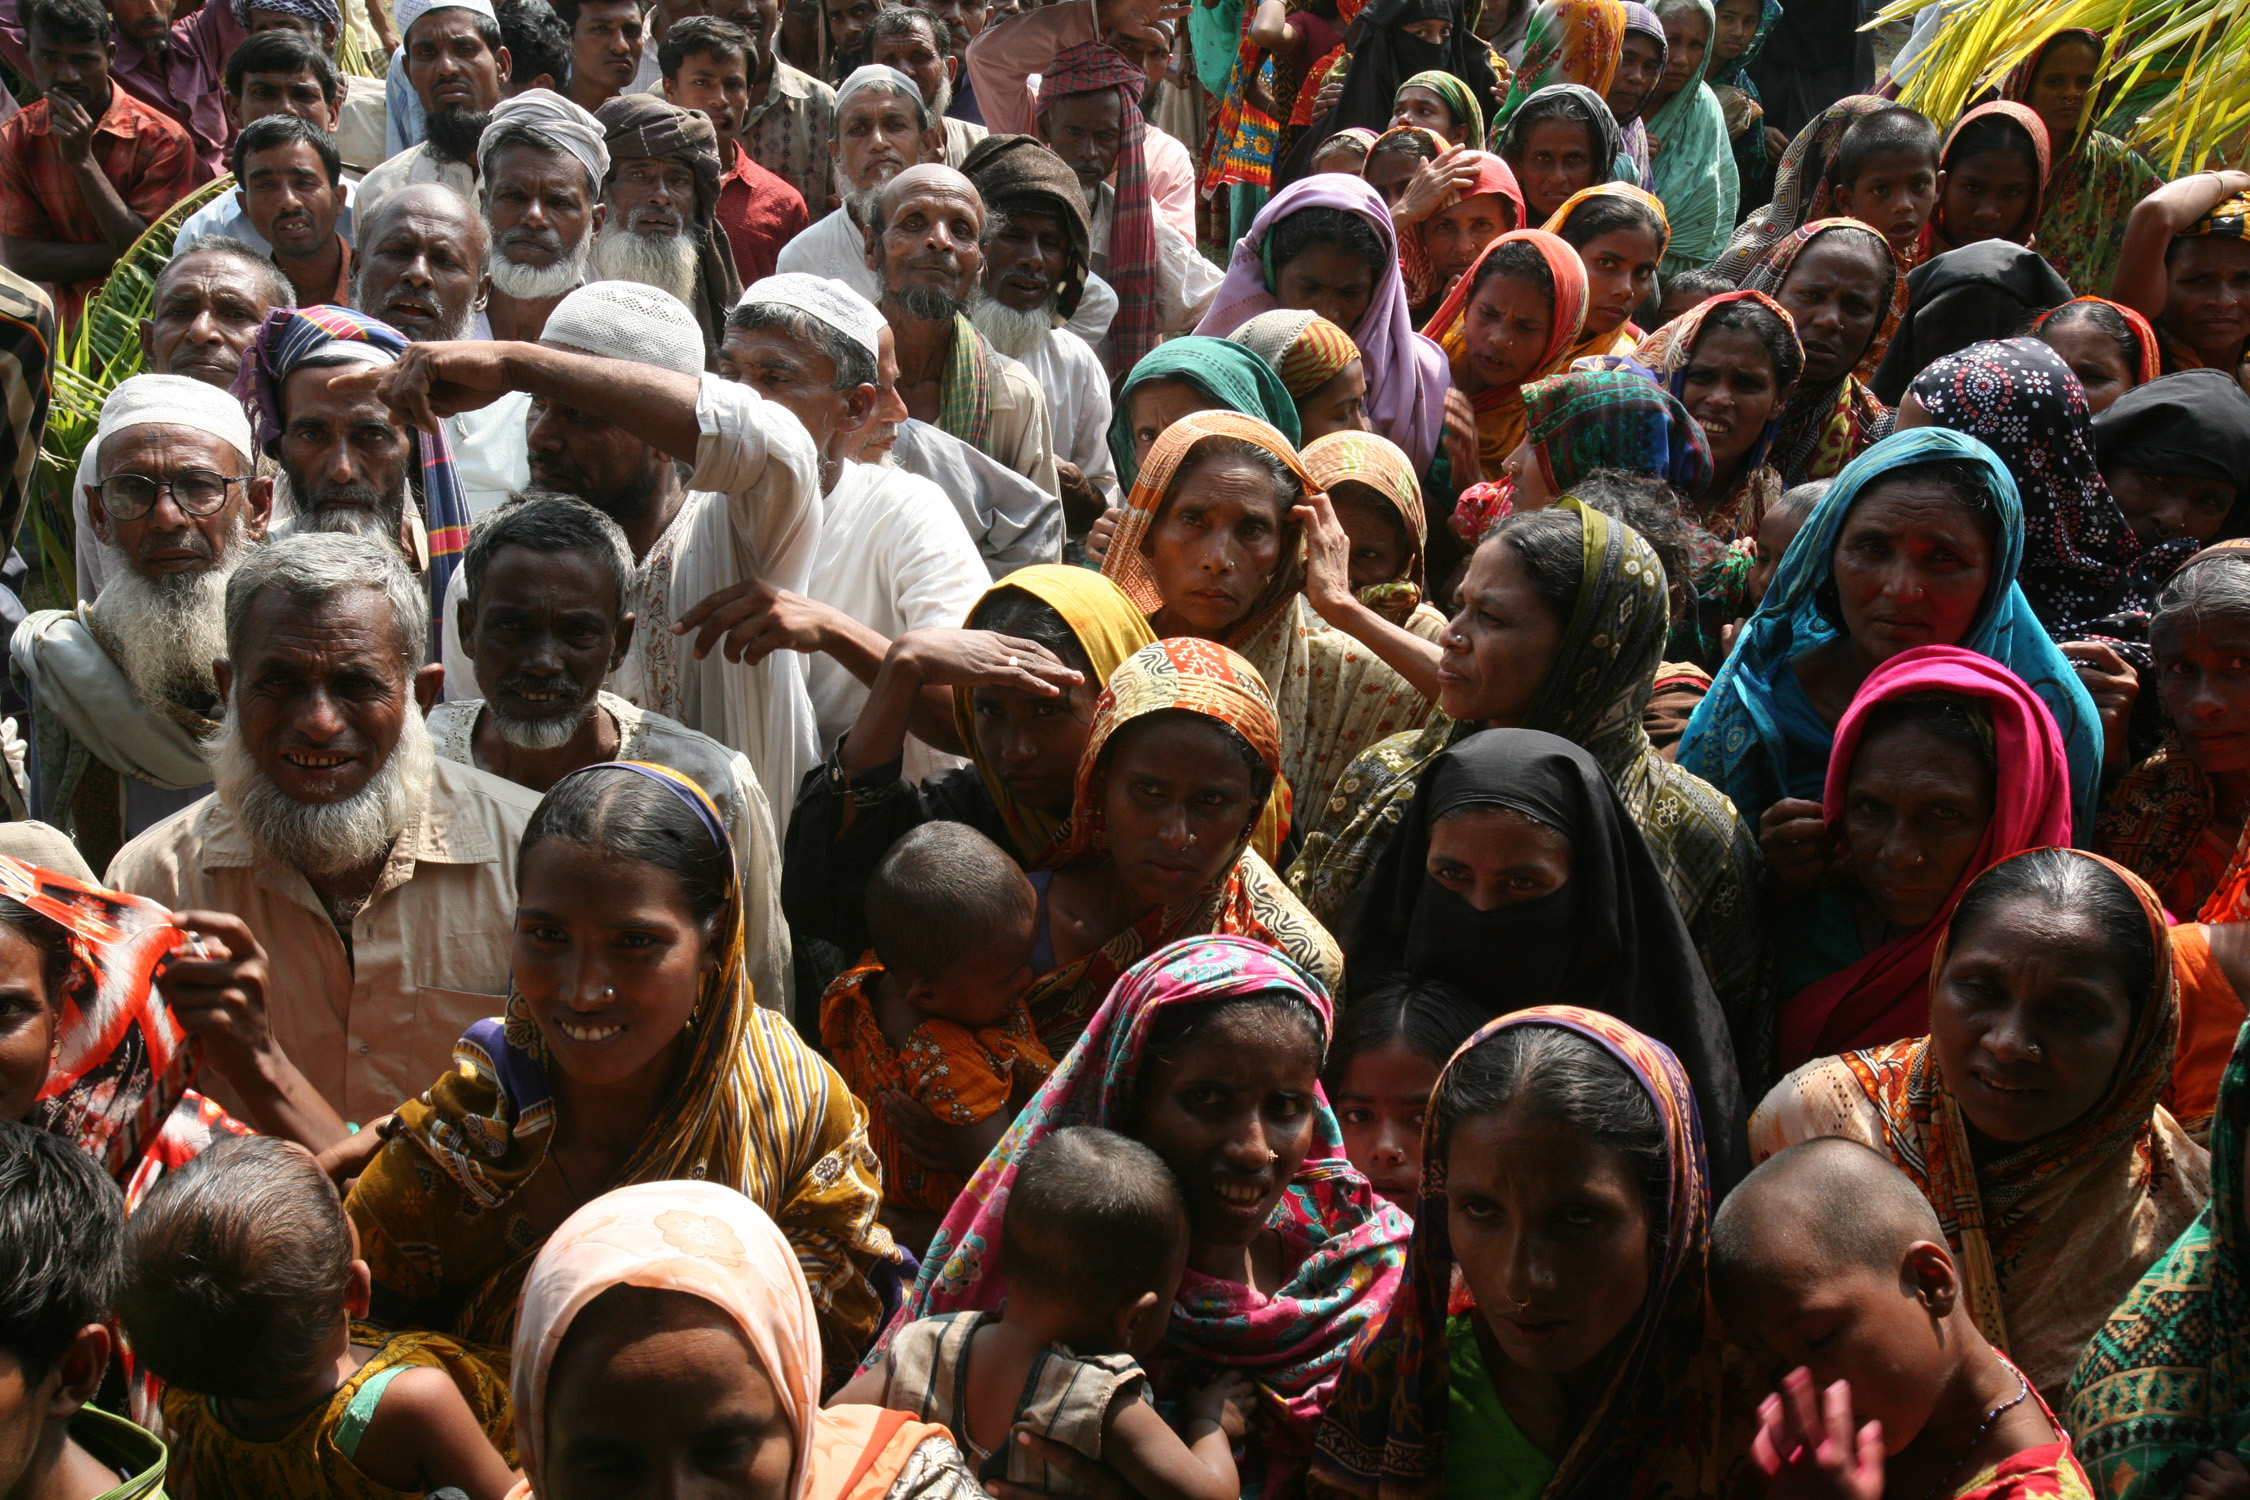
[666, 262]
[540, 734]
[169, 630]
[538, 283]
[1013, 332]
[332, 837]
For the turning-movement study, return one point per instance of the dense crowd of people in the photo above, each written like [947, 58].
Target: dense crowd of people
[1171, 751]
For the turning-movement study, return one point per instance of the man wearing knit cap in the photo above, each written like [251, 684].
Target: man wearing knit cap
[924, 242]
[455, 61]
[659, 207]
[540, 168]
[893, 554]
[123, 686]
[1035, 269]
[620, 400]
[883, 127]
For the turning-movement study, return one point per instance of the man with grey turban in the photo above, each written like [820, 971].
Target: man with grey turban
[660, 208]
[622, 401]
[893, 553]
[883, 126]
[123, 689]
[540, 169]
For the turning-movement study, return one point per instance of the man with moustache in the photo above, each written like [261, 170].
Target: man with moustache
[925, 242]
[541, 168]
[419, 275]
[123, 689]
[203, 312]
[913, 42]
[290, 181]
[605, 48]
[545, 617]
[374, 883]
[883, 126]
[454, 58]
[659, 208]
[275, 73]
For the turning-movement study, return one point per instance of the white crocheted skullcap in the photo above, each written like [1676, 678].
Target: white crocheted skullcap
[626, 320]
[407, 12]
[821, 297]
[176, 401]
[877, 75]
[558, 120]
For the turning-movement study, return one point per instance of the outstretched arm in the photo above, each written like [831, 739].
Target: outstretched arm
[436, 380]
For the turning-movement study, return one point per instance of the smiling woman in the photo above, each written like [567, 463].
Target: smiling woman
[1209, 1052]
[2029, 1115]
[631, 1051]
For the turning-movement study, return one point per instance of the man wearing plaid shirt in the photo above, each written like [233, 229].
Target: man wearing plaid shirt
[84, 168]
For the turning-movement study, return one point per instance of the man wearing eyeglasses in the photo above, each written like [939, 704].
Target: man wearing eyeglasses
[123, 687]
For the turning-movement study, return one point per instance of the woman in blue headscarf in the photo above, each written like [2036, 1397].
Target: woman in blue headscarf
[1916, 543]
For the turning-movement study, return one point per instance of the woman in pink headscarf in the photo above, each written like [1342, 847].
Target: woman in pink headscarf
[1325, 244]
[1945, 764]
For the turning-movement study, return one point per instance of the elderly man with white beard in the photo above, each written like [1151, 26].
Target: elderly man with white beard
[893, 555]
[541, 168]
[620, 405]
[883, 126]
[660, 206]
[123, 689]
[375, 883]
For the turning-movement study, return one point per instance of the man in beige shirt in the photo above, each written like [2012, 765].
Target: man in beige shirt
[378, 879]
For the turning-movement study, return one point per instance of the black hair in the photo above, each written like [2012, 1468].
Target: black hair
[855, 366]
[1428, 1016]
[2073, 881]
[1412, 143]
[66, 20]
[892, 20]
[1553, 1074]
[1703, 283]
[1607, 214]
[695, 34]
[1951, 718]
[1894, 130]
[268, 131]
[1094, 1219]
[1970, 485]
[1550, 543]
[1563, 107]
[1800, 498]
[62, 1225]
[541, 522]
[1765, 325]
[283, 51]
[1289, 489]
[236, 1269]
[1176, 1027]
[2216, 585]
[942, 893]
[1261, 774]
[49, 938]
[1347, 231]
[1018, 612]
[486, 28]
[537, 41]
[2105, 318]
[1837, 1203]
[623, 815]
[1517, 260]
[1647, 505]
[1995, 132]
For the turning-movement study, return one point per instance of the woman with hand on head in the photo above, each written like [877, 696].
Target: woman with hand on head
[1212, 546]
[1378, 506]
[1209, 1051]
[1917, 543]
[2029, 1116]
[1944, 765]
[1565, 1188]
[632, 1051]
[1446, 212]
[1175, 780]
[1018, 686]
[2185, 265]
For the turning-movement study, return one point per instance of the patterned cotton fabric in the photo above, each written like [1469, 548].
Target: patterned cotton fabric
[2092, 187]
[1825, 427]
[1667, 352]
[1585, 420]
[1499, 409]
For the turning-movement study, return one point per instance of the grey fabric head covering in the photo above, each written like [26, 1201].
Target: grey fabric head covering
[557, 121]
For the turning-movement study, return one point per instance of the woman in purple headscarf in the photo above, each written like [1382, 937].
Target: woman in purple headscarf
[1325, 245]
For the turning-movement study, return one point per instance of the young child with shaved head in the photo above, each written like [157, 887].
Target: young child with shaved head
[1829, 1267]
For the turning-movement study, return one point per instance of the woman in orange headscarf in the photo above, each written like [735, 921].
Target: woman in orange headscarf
[1512, 319]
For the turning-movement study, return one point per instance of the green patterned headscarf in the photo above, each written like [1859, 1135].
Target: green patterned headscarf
[1457, 98]
[2167, 1379]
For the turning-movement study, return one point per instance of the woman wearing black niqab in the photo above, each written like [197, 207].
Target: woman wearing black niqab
[1384, 54]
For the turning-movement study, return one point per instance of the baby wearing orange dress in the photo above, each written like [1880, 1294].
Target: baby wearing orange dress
[935, 1026]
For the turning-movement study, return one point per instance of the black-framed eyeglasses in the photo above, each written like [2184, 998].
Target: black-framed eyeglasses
[199, 492]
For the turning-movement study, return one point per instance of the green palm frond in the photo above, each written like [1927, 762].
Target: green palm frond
[91, 359]
[2183, 64]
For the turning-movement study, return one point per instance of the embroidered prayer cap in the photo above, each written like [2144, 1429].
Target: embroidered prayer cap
[878, 76]
[629, 321]
[176, 401]
[407, 12]
[326, 12]
[555, 120]
[828, 300]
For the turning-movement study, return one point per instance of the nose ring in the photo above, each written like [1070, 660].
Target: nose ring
[1272, 1157]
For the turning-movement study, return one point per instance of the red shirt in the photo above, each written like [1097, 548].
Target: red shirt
[142, 150]
[760, 212]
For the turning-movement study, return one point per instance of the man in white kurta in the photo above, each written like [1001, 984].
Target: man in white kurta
[620, 393]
